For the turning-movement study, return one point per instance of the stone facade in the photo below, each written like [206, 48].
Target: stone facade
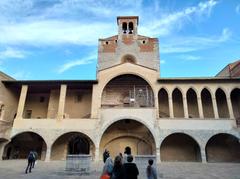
[174, 119]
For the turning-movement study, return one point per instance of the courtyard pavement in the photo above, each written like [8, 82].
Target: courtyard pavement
[55, 170]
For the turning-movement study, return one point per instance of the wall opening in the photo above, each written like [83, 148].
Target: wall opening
[179, 147]
[130, 27]
[163, 103]
[22, 144]
[130, 133]
[177, 103]
[128, 59]
[71, 143]
[223, 148]
[192, 104]
[207, 104]
[222, 104]
[127, 91]
[235, 98]
[124, 27]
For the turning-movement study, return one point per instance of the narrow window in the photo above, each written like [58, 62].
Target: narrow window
[130, 27]
[124, 27]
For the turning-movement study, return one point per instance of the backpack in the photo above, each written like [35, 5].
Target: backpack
[109, 169]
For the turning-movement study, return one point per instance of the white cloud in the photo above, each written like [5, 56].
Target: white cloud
[12, 53]
[173, 21]
[189, 57]
[53, 33]
[238, 9]
[74, 63]
[83, 22]
[189, 44]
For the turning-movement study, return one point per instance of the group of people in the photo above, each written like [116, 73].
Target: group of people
[32, 158]
[123, 167]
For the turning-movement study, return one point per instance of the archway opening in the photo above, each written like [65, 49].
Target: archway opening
[222, 104]
[128, 133]
[223, 148]
[127, 91]
[177, 103]
[207, 104]
[235, 98]
[192, 104]
[22, 144]
[163, 103]
[71, 143]
[179, 147]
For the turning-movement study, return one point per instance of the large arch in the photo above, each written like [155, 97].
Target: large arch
[235, 98]
[127, 91]
[177, 99]
[163, 103]
[21, 144]
[71, 143]
[128, 132]
[222, 103]
[223, 148]
[192, 104]
[180, 147]
[207, 104]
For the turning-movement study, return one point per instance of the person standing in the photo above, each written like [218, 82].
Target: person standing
[105, 155]
[107, 169]
[127, 152]
[151, 171]
[130, 168]
[30, 162]
[118, 169]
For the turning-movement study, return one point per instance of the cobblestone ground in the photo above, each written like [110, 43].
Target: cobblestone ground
[55, 170]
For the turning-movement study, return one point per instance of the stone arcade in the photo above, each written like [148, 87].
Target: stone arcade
[129, 104]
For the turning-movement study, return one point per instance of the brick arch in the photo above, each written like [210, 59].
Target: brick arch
[108, 132]
[223, 147]
[149, 90]
[60, 146]
[23, 142]
[180, 146]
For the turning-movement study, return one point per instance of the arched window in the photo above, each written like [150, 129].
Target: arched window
[130, 27]
[124, 27]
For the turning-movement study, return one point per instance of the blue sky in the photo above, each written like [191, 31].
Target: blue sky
[57, 39]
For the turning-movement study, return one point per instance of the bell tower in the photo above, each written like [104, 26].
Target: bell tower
[127, 26]
[128, 47]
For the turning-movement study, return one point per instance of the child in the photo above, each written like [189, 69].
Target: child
[151, 171]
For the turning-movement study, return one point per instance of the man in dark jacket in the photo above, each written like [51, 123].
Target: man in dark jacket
[30, 162]
[131, 168]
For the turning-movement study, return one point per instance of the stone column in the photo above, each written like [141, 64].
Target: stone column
[185, 107]
[96, 158]
[170, 103]
[230, 108]
[156, 105]
[21, 102]
[61, 104]
[203, 156]
[48, 153]
[2, 146]
[158, 155]
[215, 108]
[200, 107]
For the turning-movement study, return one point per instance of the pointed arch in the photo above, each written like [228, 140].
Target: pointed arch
[163, 103]
[222, 103]
[192, 103]
[207, 104]
[235, 99]
[177, 103]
